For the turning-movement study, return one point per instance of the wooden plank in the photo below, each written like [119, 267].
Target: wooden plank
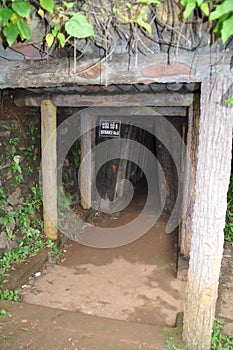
[212, 180]
[118, 100]
[140, 69]
[49, 168]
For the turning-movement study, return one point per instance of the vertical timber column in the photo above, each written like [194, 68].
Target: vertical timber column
[87, 140]
[212, 180]
[190, 178]
[49, 168]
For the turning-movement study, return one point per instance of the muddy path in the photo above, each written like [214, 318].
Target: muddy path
[135, 282]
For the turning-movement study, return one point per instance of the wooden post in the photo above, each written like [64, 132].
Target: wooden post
[49, 168]
[86, 171]
[190, 178]
[212, 181]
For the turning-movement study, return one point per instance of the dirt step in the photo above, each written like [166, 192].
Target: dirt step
[41, 328]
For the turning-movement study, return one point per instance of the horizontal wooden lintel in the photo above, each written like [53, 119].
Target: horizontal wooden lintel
[120, 69]
[119, 100]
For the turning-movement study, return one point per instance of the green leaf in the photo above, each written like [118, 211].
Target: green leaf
[227, 29]
[11, 33]
[61, 39]
[230, 101]
[149, 2]
[205, 8]
[24, 29]
[49, 39]
[78, 27]
[145, 25]
[68, 5]
[22, 8]
[189, 9]
[223, 8]
[56, 29]
[5, 15]
[16, 159]
[47, 5]
[183, 2]
[220, 22]
[200, 2]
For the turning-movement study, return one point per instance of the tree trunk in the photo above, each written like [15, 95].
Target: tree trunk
[213, 173]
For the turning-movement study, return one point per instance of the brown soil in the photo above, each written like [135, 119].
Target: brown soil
[135, 282]
[129, 291]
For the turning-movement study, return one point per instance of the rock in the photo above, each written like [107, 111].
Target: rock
[15, 198]
[3, 240]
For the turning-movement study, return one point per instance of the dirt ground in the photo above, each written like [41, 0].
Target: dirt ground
[124, 298]
[135, 282]
[118, 298]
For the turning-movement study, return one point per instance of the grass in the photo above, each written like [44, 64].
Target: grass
[219, 340]
[228, 231]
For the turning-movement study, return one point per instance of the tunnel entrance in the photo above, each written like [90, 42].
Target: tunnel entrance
[135, 280]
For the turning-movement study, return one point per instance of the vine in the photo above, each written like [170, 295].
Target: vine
[67, 20]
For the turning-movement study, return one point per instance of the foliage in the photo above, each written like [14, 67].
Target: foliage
[4, 313]
[219, 340]
[54, 250]
[22, 222]
[12, 295]
[27, 228]
[12, 20]
[136, 12]
[222, 13]
[65, 22]
[230, 101]
[229, 214]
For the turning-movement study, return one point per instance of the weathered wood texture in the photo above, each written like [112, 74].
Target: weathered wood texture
[86, 171]
[168, 166]
[212, 180]
[49, 168]
[189, 178]
[117, 100]
[183, 67]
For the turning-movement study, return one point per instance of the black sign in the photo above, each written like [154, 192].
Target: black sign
[110, 128]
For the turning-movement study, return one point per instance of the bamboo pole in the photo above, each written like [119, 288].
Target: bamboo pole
[49, 168]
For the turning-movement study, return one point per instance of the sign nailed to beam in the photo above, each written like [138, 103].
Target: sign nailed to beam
[110, 128]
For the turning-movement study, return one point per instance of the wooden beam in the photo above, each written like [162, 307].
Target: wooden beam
[49, 168]
[212, 181]
[118, 100]
[139, 69]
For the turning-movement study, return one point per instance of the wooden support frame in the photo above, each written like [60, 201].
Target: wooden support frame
[115, 100]
[87, 141]
[49, 168]
[190, 168]
[214, 161]
[139, 69]
[212, 180]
